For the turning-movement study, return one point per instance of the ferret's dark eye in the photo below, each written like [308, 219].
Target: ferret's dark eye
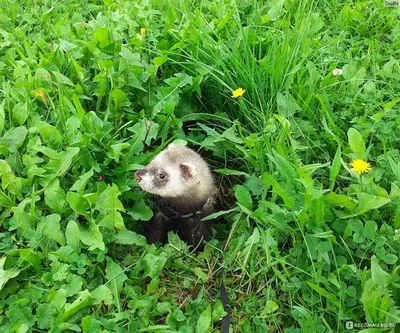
[161, 175]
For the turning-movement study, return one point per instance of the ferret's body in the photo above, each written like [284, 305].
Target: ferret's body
[182, 186]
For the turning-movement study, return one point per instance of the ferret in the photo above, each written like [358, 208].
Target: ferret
[182, 185]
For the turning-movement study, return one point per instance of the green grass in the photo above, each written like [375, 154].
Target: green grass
[305, 243]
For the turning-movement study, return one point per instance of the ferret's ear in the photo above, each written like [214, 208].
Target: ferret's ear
[170, 146]
[188, 170]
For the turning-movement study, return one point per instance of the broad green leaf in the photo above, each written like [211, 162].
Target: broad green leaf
[140, 211]
[270, 307]
[390, 259]
[284, 168]
[132, 59]
[49, 134]
[203, 276]
[359, 237]
[243, 197]
[340, 200]
[22, 219]
[66, 46]
[108, 200]
[50, 153]
[380, 277]
[154, 264]
[116, 150]
[169, 98]
[158, 61]
[54, 196]
[90, 198]
[251, 243]
[179, 80]
[354, 74]
[113, 220]
[80, 184]
[72, 235]
[311, 242]
[254, 238]
[116, 278]
[146, 129]
[269, 180]
[58, 299]
[90, 325]
[72, 127]
[92, 237]
[42, 76]
[334, 171]
[218, 311]
[119, 97]
[387, 106]
[61, 162]
[20, 113]
[60, 271]
[176, 242]
[14, 138]
[102, 294]
[351, 291]
[62, 78]
[77, 203]
[370, 230]
[128, 237]
[136, 144]
[324, 246]
[356, 142]
[6, 275]
[356, 225]
[102, 36]
[204, 322]
[74, 285]
[7, 177]
[45, 313]
[84, 300]
[367, 202]
[50, 226]
[286, 105]
[33, 257]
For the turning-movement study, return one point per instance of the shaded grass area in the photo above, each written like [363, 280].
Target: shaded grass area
[92, 91]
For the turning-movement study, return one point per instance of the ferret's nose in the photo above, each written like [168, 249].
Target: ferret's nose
[139, 174]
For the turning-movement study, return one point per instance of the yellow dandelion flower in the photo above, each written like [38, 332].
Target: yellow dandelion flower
[238, 93]
[360, 166]
[143, 32]
[40, 94]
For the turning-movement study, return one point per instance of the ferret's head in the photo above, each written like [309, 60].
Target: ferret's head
[176, 171]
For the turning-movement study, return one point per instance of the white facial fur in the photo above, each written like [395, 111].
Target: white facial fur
[175, 187]
[195, 180]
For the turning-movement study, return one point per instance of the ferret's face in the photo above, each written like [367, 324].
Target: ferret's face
[168, 181]
[152, 179]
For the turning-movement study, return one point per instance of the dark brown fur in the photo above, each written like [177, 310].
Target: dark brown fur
[190, 229]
